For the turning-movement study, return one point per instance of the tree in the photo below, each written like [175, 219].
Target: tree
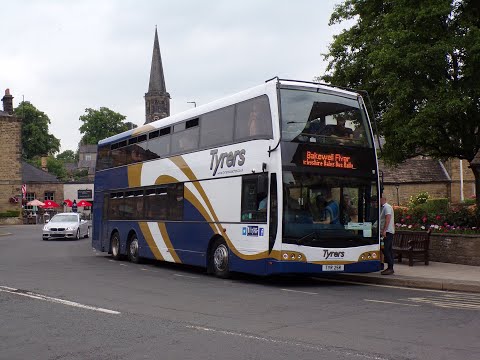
[420, 62]
[100, 124]
[54, 166]
[36, 141]
[68, 156]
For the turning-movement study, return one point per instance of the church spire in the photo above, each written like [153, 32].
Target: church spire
[157, 99]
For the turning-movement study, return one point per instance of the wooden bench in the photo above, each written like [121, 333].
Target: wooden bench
[414, 244]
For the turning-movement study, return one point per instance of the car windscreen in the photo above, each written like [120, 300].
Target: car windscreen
[65, 218]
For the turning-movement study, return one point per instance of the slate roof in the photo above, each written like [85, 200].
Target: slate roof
[415, 170]
[32, 174]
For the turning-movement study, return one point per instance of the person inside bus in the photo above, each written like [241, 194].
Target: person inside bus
[331, 210]
[319, 215]
[262, 205]
[340, 130]
[253, 121]
[349, 213]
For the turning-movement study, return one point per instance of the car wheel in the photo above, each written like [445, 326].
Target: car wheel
[87, 235]
[219, 259]
[115, 246]
[132, 250]
[77, 237]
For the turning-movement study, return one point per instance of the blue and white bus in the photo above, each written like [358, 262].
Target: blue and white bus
[280, 178]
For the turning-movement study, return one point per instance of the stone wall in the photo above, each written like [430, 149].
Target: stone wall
[40, 189]
[435, 190]
[453, 168]
[10, 161]
[455, 249]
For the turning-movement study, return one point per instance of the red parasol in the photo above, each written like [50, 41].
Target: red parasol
[68, 202]
[84, 203]
[50, 204]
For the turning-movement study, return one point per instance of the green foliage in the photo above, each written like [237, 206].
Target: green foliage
[80, 174]
[420, 63]
[68, 156]
[418, 199]
[10, 213]
[434, 206]
[54, 166]
[100, 124]
[36, 141]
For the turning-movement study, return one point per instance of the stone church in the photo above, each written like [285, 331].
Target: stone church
[157, 99]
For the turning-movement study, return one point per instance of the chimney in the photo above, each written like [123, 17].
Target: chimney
[43, 162]
[8, 102]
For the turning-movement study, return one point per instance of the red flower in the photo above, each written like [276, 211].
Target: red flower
[408, 217]
[438, 217]
[424, 219]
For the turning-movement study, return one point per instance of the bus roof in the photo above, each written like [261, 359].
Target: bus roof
[269, 87]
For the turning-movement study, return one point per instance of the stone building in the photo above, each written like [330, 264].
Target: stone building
[87, 159]
[41, 185]
[157, 99]
[414, 176]
[463, 180]
[11, 152]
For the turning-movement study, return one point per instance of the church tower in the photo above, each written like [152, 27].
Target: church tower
[157, 99]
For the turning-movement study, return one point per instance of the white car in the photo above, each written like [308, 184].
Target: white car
[66, 225]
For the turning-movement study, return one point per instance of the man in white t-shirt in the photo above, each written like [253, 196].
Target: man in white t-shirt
[387, 229]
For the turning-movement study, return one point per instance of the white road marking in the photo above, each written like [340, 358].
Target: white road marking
[300, 292]
[389, 302]
[288, 343]
[186, 276]
[35, 296]
[448, 302]
[123, 264]
[384, 286]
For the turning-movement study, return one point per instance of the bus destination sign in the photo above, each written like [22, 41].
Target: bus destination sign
[328, 160]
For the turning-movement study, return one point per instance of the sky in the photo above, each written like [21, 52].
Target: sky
[66, 56]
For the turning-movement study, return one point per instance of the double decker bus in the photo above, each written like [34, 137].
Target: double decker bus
[280, 178]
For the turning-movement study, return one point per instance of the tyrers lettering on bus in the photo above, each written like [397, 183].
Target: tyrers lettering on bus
[231, 159]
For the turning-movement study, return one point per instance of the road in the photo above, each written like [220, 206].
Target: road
[62, 300]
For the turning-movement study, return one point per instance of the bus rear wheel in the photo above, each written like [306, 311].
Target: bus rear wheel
[219, 259]
[132, 250]
[115, 246]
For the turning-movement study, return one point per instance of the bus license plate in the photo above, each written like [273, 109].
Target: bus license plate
[332, 267]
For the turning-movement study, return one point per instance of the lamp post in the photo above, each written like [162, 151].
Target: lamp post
[397, 185]
[192, 102]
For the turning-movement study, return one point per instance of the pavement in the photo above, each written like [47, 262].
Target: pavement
[435, 276]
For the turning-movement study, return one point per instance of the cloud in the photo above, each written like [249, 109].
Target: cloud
[67, 56]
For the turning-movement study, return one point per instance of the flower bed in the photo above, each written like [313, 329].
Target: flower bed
[460, 219]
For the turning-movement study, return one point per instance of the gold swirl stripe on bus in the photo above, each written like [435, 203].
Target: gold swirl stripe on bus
[182, 165]
[150, 241]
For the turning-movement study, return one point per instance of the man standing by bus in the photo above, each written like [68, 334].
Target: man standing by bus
[387, 229]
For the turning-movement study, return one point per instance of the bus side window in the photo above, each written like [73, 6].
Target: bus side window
[254, 199]
[253, 119]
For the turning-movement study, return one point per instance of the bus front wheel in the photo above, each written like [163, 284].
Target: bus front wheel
[115, 246]
[219, 259]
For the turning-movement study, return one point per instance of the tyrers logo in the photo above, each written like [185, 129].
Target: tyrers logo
[231, 159]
